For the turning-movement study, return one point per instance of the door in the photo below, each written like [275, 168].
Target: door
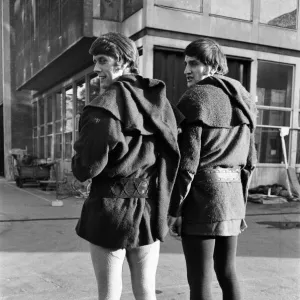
[239, 69]
[169, 67]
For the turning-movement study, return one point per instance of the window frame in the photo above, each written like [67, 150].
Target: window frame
[277, 108]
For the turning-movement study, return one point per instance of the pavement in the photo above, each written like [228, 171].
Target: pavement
[41, 257]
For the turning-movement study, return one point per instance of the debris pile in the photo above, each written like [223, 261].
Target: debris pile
[270, 194]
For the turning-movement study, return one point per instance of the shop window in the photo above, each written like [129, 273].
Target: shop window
[274, 98]
[94, 87]
[80, 103]
[68, 122]
[237, 9]
[58, 125]
[279, 13]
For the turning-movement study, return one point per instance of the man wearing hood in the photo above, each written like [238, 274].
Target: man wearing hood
[128, 146]
[208, 202]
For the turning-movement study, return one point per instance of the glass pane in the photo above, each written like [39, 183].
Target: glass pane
[279, 13]
[68, 151]
[94, 87]
[49, 110]
[68, 145]
[34, 132]
[58, 127]
[131, 6]
[42, 130]
[181, 4]
[42, 111]
[35, 146]
[49, 129]
[274, 84]
[268, 145]
[273, 117]
[49, 146]
[68, 137]
[238, 9]
[58, 146]
[69, 103]
[80, 97]
[298, 148]
[58, 106]
[68, 125]
[34, 115]
[42, 145]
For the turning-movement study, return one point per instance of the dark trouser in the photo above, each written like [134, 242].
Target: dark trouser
[201, 254]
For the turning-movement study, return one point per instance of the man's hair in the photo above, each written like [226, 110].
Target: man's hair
[119, 47]
[209, 53]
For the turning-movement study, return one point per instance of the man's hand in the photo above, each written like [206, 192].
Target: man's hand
[175, 226]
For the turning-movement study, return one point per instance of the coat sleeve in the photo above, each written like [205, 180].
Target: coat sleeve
[190, 145]
[99, 133]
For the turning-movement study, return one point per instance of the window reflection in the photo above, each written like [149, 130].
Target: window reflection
[274, 84]
[279, 13]
[68, 123]
[238, 9]
[274, 99]
[273, 117]
[268, 145]
[69, 103]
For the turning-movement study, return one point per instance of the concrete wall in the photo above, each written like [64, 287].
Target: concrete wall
[188, 18]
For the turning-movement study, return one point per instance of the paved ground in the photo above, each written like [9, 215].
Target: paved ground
[41, 258]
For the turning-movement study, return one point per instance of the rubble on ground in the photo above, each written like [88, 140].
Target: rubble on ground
[270, 194]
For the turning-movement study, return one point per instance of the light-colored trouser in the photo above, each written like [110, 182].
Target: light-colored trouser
[108, 265]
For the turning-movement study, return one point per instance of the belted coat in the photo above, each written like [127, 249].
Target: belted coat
[218, 133]
[130, 131]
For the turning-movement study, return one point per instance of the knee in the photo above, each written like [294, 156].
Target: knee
[225, 272]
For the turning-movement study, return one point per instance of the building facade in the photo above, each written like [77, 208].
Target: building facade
[51, 72]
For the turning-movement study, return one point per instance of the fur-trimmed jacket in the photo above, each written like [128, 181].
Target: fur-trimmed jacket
[130, 131]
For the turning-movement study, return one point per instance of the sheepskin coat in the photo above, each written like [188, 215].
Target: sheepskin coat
[218, 132]
[130, 131]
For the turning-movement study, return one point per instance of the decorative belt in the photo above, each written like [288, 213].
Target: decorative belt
[125, 187]
[218, 175]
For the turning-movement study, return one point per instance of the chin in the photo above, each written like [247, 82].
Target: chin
[191, 83]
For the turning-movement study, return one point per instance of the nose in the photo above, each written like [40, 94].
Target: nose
[187, 69]
[97, 68]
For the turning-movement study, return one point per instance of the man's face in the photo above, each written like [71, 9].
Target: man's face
[195, 70]
[107, 70]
